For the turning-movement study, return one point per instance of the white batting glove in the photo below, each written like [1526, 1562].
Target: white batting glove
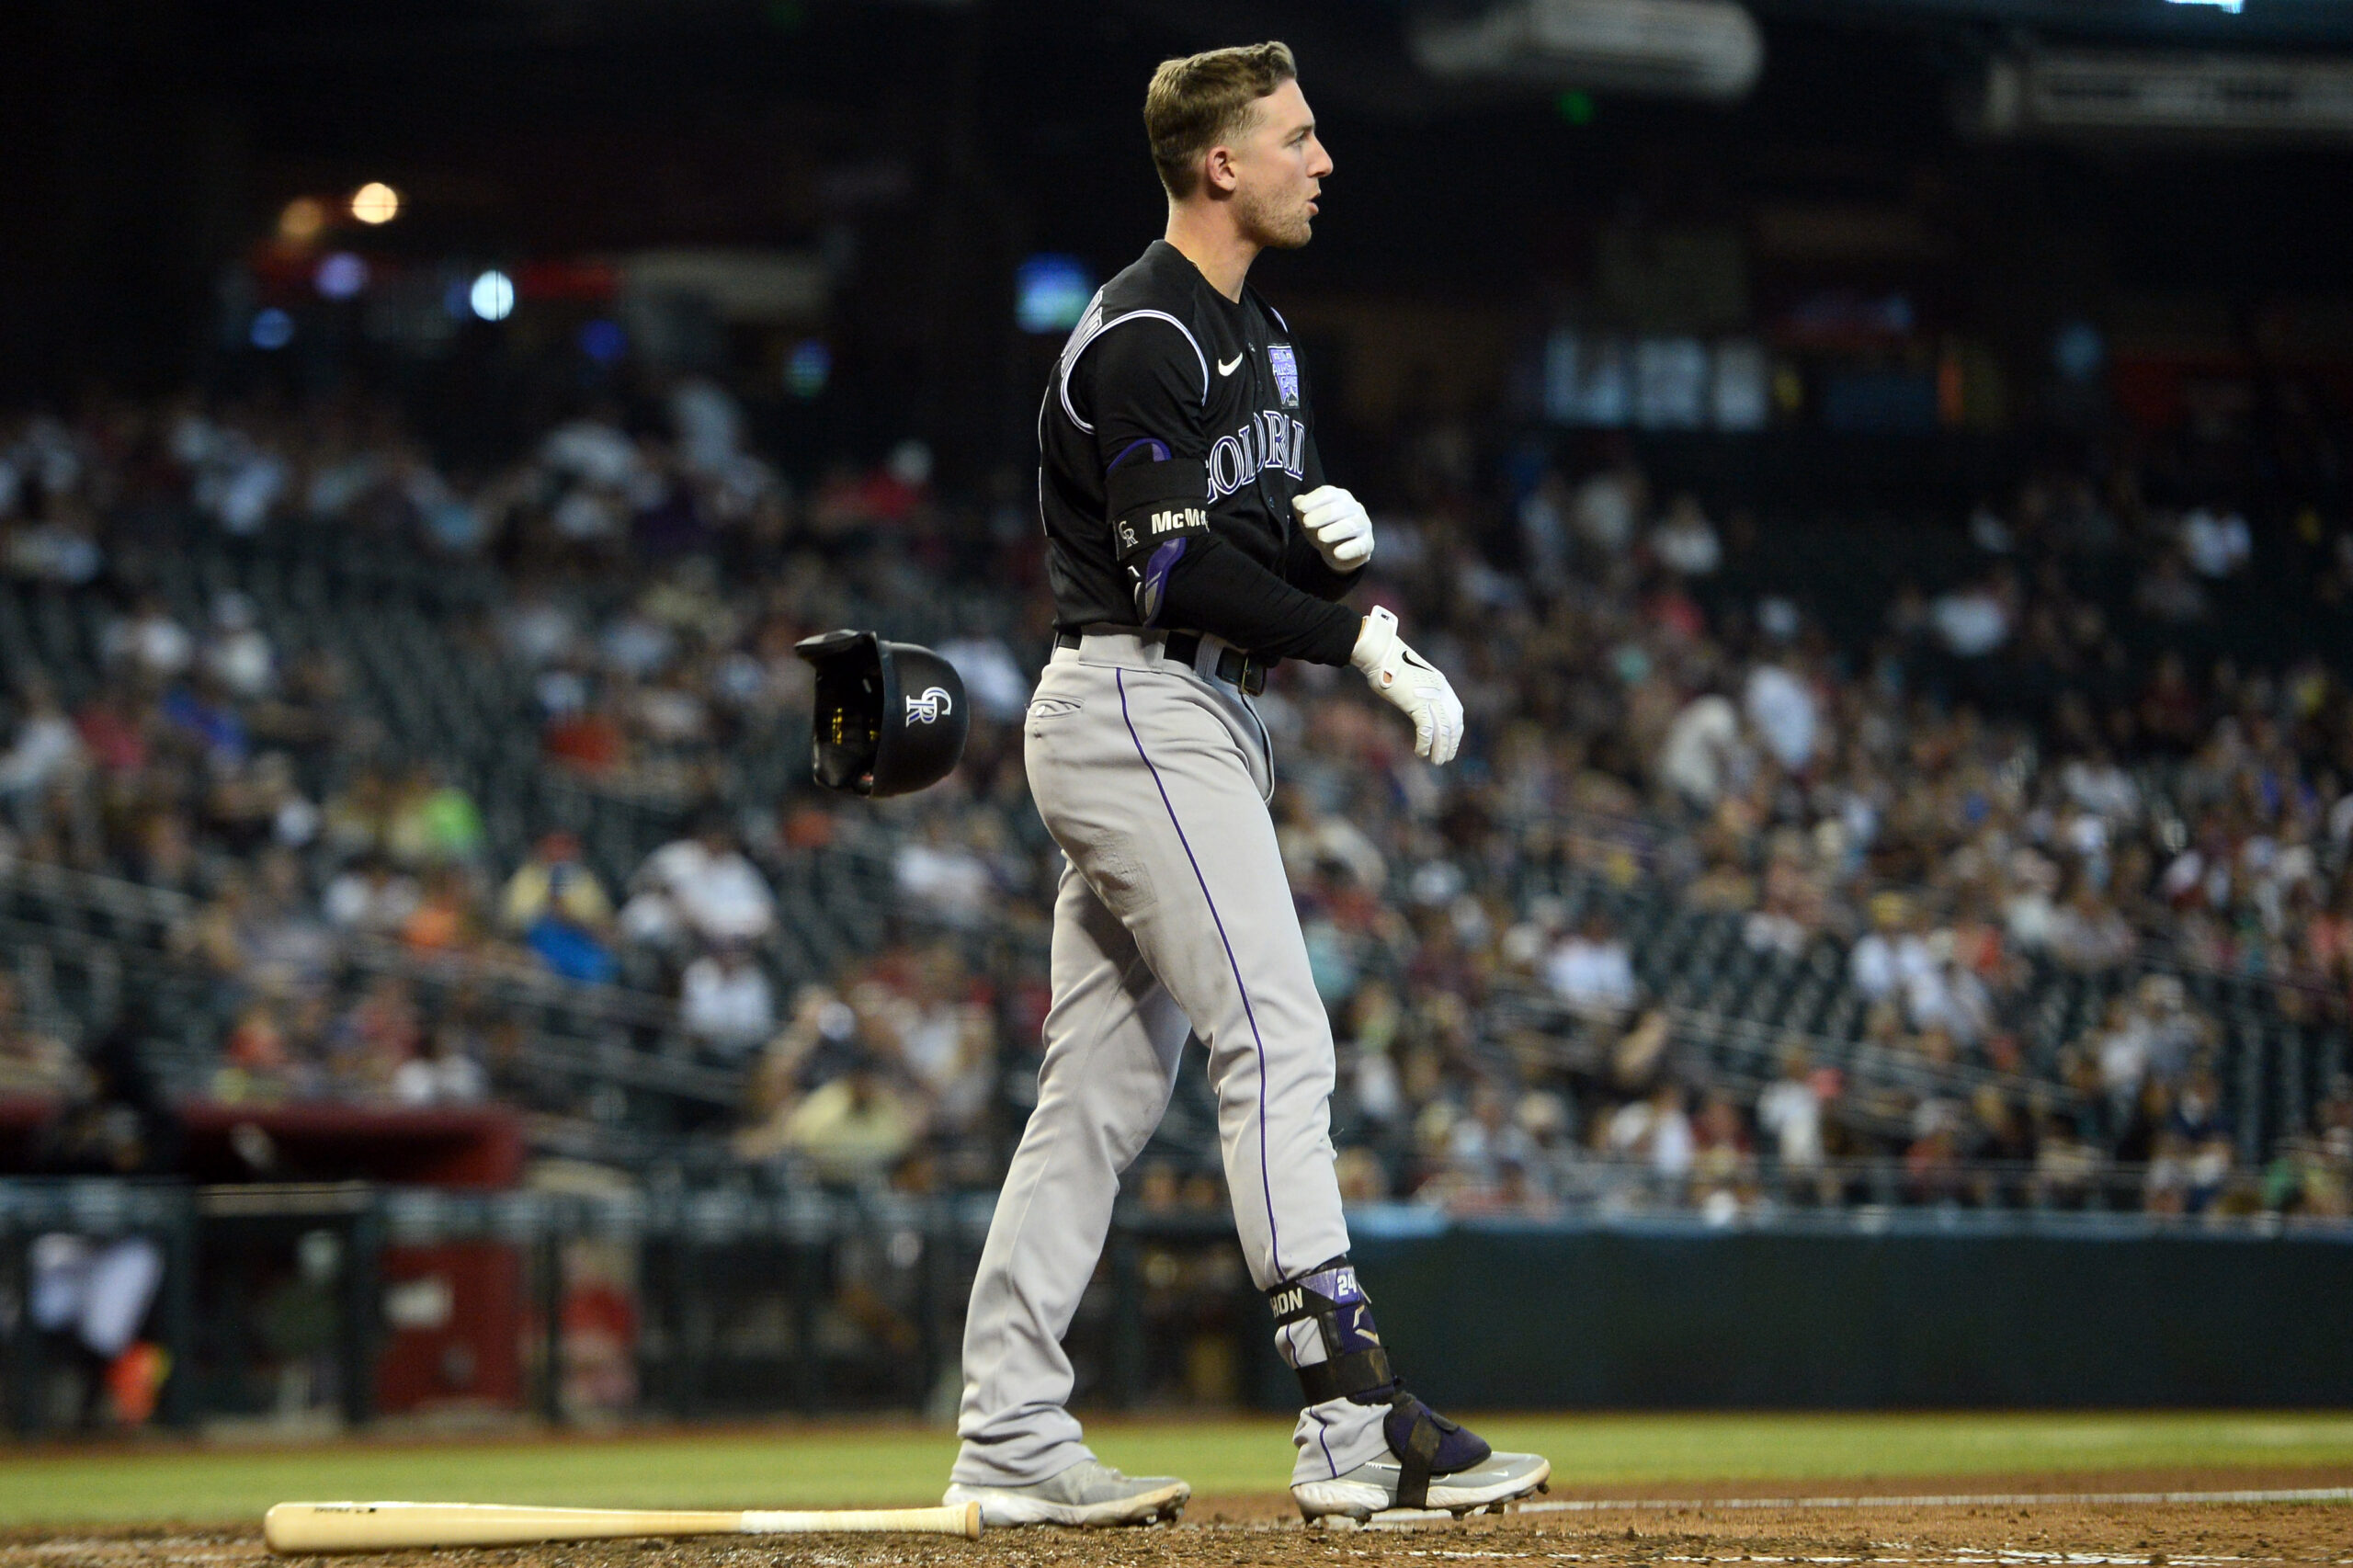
[1337, 524]
[1414, 684]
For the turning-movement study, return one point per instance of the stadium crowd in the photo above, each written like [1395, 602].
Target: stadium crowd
[2027, 770]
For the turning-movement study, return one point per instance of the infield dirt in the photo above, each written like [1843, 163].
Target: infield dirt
[1263, 1532]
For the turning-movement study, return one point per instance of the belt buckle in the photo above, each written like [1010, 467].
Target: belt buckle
[1254, 676]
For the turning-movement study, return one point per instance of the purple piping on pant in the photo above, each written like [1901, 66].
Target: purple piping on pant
[1265, 1187]
[1321, 1442]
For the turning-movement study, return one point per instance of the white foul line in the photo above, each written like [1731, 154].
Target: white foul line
[1391, 1517]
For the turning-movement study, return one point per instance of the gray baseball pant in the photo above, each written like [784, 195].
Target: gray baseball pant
[1174, 916]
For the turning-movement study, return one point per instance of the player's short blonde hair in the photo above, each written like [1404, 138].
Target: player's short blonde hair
[1195, 102]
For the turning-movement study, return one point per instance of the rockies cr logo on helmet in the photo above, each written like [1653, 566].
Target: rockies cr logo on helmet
[889, 718]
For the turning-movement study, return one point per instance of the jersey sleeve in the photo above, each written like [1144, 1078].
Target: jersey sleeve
[1143, 379]
[1141, 382]
[1218, 588]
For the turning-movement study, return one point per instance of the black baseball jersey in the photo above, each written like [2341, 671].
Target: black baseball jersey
[1175, 434]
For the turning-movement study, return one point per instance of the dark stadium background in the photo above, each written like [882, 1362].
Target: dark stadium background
[2036, 374]
[151, 142]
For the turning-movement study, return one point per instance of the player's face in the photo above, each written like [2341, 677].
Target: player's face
[1278, 170]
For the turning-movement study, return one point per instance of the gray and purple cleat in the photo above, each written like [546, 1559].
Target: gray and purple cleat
[1433, 1463]
[1089, 1494]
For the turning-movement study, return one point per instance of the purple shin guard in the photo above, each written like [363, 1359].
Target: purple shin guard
[1357, 1367]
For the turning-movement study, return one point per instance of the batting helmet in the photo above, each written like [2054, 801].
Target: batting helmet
[890, 716]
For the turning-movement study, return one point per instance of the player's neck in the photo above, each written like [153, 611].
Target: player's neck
[1209, 239]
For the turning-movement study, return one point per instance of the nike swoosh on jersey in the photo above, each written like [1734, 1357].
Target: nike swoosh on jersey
[1226, 367]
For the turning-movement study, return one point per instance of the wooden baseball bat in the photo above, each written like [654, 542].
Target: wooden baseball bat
[391, 1527]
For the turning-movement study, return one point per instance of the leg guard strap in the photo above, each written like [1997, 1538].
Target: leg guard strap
[1355, 1366]
[1416, 1454]
[1426, 1444]
[1349, 1377]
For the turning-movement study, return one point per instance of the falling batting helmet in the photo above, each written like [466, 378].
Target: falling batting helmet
[890, 716]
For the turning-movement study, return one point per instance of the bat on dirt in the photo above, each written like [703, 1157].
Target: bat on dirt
[391, 1527]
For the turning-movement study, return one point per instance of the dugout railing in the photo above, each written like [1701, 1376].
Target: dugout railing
[291, 1308]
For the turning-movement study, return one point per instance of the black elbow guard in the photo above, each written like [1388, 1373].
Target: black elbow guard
[1156, 508]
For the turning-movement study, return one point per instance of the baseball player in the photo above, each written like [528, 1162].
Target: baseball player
[1192, 540]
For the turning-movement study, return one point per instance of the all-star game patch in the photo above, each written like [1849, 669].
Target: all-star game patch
[1286, 367]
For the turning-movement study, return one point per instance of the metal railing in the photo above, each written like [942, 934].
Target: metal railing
[2076, 1186]
[803, 1299]
[1746, 1054]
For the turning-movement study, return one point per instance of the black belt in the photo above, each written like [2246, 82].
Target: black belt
[1234, 668]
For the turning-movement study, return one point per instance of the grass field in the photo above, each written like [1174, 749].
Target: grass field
[823, 1464]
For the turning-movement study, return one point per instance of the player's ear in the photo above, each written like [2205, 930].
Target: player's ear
[1218, 171]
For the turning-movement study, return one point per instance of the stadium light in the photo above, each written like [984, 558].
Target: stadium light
[808, 368]
[302, 220]
[272, 328]
[340, 275]
[375, 202]
[492, 296]
[1050, 292]
[603, 341]
[1703, 48]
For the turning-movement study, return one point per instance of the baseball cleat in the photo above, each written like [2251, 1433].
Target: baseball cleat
[1088, 1493]
[1371, 1488]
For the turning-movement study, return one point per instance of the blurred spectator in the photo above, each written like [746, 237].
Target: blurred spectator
[2216, 543]
[1701, 753]
[1973, 621]
[236, 653]
[1894, 956]
[150, 641]
[32, 1062]
[561, 910]
[1656, 1133]
[1778, 703]
[1790, 1112]
[1592, 971]
[941, 874]
[699, 889]
[444, 1073]
[2089, 933]
[853, 1129]
[45, 749]
[725, 1001]
[432, 822]
[1685, 542]
[554, 882]
[373, 899]
[998, 687]
[1723, 1169]
[1606, 509]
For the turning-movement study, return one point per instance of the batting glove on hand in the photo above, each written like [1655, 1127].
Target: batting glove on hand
[1414, 684]
[1337, 523]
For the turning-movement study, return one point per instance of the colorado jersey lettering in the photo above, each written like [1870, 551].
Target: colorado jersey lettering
[1271, 439]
